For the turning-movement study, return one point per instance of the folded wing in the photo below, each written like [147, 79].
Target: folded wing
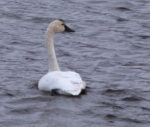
[66, 82]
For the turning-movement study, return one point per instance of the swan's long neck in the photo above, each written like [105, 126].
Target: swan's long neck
[53, 64]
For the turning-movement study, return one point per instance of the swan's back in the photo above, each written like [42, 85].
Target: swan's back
[66, 82]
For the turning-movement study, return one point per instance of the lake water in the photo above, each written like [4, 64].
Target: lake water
[110, 49]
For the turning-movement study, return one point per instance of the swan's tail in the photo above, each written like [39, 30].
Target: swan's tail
[76, 91]
[70, 92]
[84, 85]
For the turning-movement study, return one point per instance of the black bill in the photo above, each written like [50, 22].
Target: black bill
[67, 29]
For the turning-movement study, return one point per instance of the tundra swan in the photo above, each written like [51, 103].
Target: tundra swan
[64, 82]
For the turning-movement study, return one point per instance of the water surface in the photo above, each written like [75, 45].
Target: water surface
[110, 49]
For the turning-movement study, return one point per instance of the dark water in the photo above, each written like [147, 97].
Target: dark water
[110, 49]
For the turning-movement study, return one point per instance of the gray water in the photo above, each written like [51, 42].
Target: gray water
[110, 49]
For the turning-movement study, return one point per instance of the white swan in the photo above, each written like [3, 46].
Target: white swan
[68, 82]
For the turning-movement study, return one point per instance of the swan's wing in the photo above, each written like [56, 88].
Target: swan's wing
[74, 83]
[68, 82]
[74, 78]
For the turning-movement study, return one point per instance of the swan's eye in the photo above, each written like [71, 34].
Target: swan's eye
[62, 24]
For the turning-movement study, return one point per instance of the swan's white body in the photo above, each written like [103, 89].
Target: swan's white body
[68, 83]
[65, 82]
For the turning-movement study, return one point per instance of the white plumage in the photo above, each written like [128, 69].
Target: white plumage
[68, 82]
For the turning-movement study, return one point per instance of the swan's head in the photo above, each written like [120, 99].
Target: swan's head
[58, 26]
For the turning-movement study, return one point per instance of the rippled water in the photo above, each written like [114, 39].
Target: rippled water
[110, 49]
